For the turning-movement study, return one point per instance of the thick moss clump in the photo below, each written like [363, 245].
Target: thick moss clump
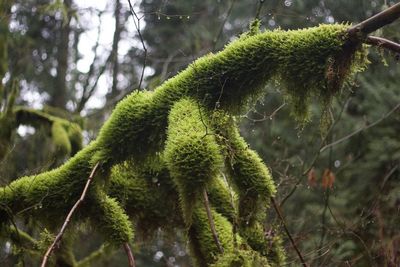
[191, 153]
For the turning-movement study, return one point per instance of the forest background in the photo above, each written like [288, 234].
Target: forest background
[338, 188]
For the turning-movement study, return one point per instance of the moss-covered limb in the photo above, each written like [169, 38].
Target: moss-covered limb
[229, 79]
[49, 195]
[250, 176]
[222, 198]
[110, 219]
[202, 246]
[148, 196]
[206, 253]
[266, 242]
[20, 238]
[191, 153]
[67, 136]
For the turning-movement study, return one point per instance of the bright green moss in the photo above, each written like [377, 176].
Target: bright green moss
[110, 219]
[241, 258]
[191, 152]
[266, 242]
[222, 199]
[250, 176]
[148, 196]
[202, 244]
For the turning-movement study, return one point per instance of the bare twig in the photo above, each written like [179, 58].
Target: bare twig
[211, 221]
[383, 43]
[361, 129]
[68, 219]
[288, 233]
[137, 26]
[221, 28]
[131, 259]
[375, 22]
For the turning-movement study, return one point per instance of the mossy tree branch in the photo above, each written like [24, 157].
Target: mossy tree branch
[196, 146]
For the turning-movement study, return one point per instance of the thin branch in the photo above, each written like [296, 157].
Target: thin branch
[221, 28]
[383, 43]
[361, 129]
[211, 221]
[128, 251]
[137, 26]
[375, 22]
[68, 219]
[288, 233]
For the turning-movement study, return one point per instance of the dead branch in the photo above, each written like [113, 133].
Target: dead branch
[137, 26]
[361, 129]
[128, 251]
[288, 233]
[211, 221]
[68, 219]
[383, 43]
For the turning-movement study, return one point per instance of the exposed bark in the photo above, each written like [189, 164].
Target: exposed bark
[374, 23]
[383, 43]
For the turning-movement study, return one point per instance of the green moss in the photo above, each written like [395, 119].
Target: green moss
[191, 152]
[66, 135]
[110, 219]
[222, 198]
[241, 258]
[248, 173]
[60, 139]
[148, 196]
[266, 243]
[202, 244]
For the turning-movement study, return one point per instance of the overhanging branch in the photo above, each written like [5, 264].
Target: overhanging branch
[375, 22]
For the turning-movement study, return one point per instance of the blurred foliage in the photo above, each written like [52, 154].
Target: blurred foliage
[353, 223]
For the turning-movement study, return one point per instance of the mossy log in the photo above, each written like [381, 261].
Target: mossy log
[159, 150]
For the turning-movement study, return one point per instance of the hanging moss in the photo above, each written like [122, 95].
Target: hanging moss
[191, 152]
[251, 178]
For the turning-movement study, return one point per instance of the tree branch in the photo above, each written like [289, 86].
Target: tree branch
[211, 221]
[67, 220]
[383, 43]
[137, 26]
[375, 22]
[303, 262]
[131, 259]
